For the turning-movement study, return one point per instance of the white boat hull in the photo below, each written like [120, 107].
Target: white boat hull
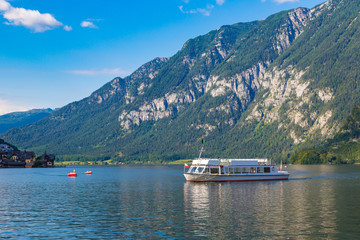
[193, 177]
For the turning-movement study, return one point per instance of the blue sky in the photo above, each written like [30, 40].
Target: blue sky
[56, 52]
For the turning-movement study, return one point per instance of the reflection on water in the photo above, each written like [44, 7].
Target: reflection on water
[305, 207]
[318, 202]
[246, 209]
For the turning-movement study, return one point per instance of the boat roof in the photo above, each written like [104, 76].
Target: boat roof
[240, 162]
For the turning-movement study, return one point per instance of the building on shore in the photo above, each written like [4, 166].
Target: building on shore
[17, 158]
[46, 160]
[4, 148]
[10, 158]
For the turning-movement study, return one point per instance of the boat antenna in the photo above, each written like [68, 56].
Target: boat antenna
[202, 147]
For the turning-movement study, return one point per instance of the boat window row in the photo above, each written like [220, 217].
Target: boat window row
[229, 170]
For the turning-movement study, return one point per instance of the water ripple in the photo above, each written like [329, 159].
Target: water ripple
[155, 202]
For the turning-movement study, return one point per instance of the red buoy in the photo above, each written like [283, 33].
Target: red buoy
[72, 174]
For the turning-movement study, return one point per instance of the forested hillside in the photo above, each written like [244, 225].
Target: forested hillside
[19, 119]
[261, 89]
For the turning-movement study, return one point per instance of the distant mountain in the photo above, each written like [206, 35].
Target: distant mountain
[19, 119]
[261, 89]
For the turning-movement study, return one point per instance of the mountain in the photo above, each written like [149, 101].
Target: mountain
[19, 119]
[344, 147]
[260, 89]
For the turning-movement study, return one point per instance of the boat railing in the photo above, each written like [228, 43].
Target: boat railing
[229, 162]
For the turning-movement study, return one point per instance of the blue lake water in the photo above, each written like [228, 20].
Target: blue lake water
[147, 202]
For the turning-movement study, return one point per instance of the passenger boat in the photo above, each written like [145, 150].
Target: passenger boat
[233, 170]
[72, 174]
[88, 172]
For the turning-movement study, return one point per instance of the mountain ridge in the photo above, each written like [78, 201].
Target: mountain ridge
[246, 88]
[19, 119]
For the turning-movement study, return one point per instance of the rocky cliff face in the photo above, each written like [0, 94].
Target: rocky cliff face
[221, 48]
[289, 101]
[293, 99]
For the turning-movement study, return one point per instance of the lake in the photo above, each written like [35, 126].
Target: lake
[152, 202]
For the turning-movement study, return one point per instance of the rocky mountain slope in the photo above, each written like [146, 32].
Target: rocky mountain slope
[344, 147]
[258, 89]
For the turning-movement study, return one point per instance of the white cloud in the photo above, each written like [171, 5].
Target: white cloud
[204, 11]
[67, 28]
[88, 24]
[4, 5]
[7, 107]
[94, 72]
[220, 2]
[31, 19]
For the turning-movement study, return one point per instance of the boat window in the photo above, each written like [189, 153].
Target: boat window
[237, 170]
[206, 170]
[260, 170]
[200, 169]
[252, 170]
[266, 169]
[192, 169]
[214, 170]
[245, 170]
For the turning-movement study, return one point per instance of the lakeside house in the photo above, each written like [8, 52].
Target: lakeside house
[9, 158]
[47, 160]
